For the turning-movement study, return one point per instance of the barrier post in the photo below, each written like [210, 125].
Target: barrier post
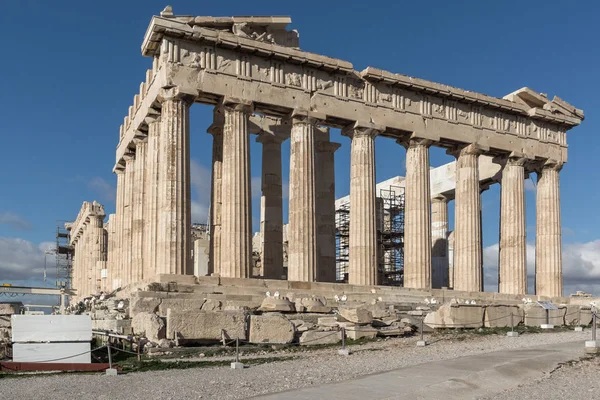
[593, 346]
[344, 351]
[110, 371]
[512, 332]
[422, 342]
[579, 328]
[237, 364]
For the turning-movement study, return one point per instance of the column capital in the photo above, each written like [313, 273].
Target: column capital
[140, 140]
[129, 157]
[413, 142]
[467, 149]
[236, 104]
[176, 93]
[514, 158]
[152, 116]
[265, 138]
[302, 116]
[549, 164]
[440, 198]
[361, 128]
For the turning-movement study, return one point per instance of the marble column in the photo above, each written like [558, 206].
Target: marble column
[236, 210]
[325, 206]
[362, 264]
[151, 200]
[417, 216]
[440, 273]
[98, 250]
[467, 235]
[216, 130]
[137, 212]
[118, 264]
[548, 246]
[512, 269]
[173, 248]
[271, 206]
[127, 239]
[302, 230]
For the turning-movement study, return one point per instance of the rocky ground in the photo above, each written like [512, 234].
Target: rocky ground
[577, 380]
[304, 369]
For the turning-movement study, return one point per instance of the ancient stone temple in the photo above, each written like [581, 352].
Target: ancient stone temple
[259, 81]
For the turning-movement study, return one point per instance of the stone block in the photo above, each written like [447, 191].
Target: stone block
[312, 338]
[180, 304]
[206, 325]
[10, 308]
[456, 316]
[120, 326]
[314, 305]
[356, 315]
[211, 305]
[535, 315]
[327, 322]
[150, 325]
[574, 311]
[4, 321]
[359, 332]
[277, 304]
[143, 305]
[271, 328]
[498, 316]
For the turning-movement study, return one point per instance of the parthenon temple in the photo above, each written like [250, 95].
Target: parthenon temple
[259, 81]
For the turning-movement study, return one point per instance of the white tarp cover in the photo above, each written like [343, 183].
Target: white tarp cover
[51, 328]
[78, 352]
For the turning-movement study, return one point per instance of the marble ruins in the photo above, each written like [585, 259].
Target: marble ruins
[252, 71]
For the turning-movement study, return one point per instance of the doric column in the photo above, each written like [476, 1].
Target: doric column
[137, 212]
[216, 130]
[173, 207]
[96, 227]
[236, 210]
[467, 236]
[127, 239]
[271, 206]
[512, 269]
[302, 232]
[117, 266]
[417, 216]
[440, 274]
[151, 199]
[325, 206]
[548, 256]
[362, 264]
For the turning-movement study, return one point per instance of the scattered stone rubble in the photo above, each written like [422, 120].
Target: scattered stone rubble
[6, 312]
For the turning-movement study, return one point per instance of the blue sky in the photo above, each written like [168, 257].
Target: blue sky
[70, 70]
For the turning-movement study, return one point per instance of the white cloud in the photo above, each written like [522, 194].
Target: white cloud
[21, 259]
[581, 267]
[530, 185]
[106, 191]
[15, 221]
[200, 181]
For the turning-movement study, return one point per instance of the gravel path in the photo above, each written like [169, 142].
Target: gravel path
[309, 368]
[578, 381]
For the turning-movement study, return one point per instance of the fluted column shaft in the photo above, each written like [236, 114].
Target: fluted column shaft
[440, 274]
[272, 207]
[302, 232]
[362, 263]
[98, 250]
[137, 211]
[417, 216]
[548, 249]
[512, 269]
[468, 274]
[216, 191]
[151, 200]
[325, 207]
[117, 266]
[127, 240]
[236, 214]
[173, 206]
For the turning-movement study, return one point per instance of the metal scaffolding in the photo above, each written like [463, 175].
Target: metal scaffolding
[390, 235]
[342, 241]
[64, 256]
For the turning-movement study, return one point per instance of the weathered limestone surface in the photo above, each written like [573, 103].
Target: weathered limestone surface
[271, 328]
[277, 304]
[456, 316]
[362, 267]
[236, 215]
[498, 316]
[179, 305]
[118, 259]
[468, 274]
[10, 308]
[127, 220]
[151, 199]
[143, 305]
[535, 315]
[272, 207]
[313, 338]
[173, 208]
[206, 325]
[548, 238]
[440, 273]
[302, 232]
[356, 315]
[417, 216]
[577, 315]
[216, 190]
[325, 206]
[136, 272]
[150, 325]
[513, 246]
